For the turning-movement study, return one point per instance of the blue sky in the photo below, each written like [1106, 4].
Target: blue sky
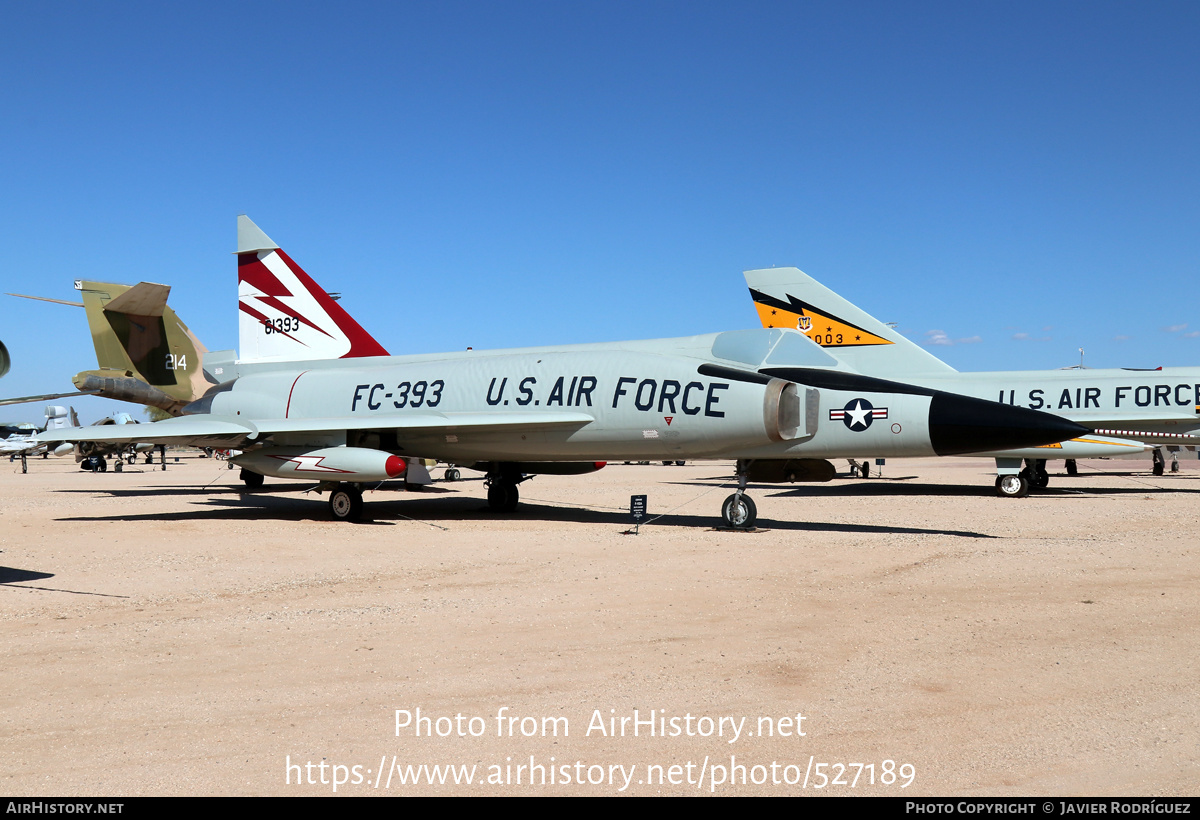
[1020, 178]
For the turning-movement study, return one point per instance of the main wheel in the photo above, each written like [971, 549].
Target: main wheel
[739, 512]
[503, 496]
[1072, 467]
[452, 474]
[864, 470]
[252, 479]
[1012, 486]
[345, 503]
[118, 465]
[102, 464]
[1039, 480]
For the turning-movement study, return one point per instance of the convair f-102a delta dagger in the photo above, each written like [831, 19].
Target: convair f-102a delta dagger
[315, 398]
[1126, 411]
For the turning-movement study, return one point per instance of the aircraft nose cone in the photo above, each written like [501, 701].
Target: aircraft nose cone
[961, 424]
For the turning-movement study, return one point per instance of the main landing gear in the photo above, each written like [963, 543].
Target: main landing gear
[1035, 473]
[1012, 486]
[95, 464]
[502, 491]
[738, 512]
[345, 502]
[252, 480]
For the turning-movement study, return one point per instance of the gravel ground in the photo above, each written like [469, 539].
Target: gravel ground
[167, 634]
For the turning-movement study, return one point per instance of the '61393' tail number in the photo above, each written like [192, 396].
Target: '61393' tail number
[282, 324]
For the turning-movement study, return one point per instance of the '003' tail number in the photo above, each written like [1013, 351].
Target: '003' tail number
[406, 394]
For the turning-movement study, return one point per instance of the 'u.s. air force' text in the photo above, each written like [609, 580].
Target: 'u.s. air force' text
[1082, 398]
[646, 395]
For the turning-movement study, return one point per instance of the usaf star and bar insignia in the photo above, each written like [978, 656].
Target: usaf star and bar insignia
[858, 414]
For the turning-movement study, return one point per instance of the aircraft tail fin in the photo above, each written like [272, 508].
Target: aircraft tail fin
[58, 418]
[283, 314]
[787, 297]
[145, 353]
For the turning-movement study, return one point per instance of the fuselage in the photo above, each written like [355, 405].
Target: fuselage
[632, 400]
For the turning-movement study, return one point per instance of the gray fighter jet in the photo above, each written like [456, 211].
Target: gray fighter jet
[316, 398]
[1142, 409]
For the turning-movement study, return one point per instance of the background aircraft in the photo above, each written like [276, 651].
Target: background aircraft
[1150, 407]
[90, 456]
[145, 354]
[22, 439]
[771, 399]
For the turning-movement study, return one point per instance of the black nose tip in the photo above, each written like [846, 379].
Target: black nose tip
[961, 424]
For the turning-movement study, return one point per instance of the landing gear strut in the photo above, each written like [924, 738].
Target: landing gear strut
[738, 512]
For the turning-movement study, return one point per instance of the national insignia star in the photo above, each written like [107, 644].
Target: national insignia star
[858, 416]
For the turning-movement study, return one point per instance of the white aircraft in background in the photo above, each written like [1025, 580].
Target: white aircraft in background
[25, 443]
[1143, 409]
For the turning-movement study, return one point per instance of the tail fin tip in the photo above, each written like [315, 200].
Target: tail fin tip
[251, 238]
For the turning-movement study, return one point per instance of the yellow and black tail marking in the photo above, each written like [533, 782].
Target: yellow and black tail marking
[823, 328]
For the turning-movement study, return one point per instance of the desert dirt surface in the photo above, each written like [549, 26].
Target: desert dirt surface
[167, 633]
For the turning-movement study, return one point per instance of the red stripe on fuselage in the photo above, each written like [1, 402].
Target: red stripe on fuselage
[293, 390]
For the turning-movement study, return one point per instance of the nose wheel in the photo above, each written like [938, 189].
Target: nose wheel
[738, 512]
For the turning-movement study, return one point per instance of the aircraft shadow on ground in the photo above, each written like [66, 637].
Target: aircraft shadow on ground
[419, 507]
[20, 578]
[11, 575]
[220, 489]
